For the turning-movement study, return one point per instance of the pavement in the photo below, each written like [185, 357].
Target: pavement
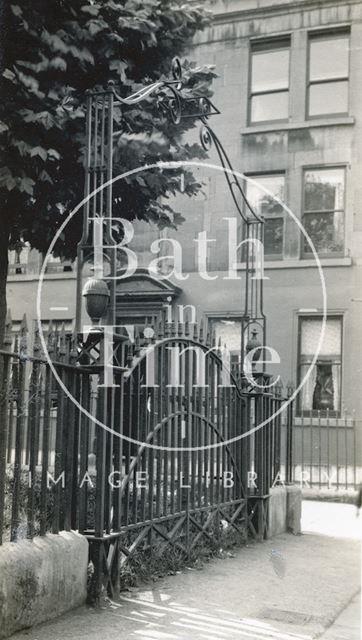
[289, 588]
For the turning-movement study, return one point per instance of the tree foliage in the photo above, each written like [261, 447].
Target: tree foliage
[57, 50]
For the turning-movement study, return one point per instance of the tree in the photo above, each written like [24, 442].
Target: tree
[58, 50]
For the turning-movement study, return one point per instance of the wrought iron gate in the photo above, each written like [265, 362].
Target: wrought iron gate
[182, 470]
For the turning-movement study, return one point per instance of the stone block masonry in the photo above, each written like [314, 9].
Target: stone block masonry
[41, 579]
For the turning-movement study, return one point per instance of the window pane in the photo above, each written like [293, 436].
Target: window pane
[310, 334]
[273, 106]
[329, 58]
[326, 230]
[229, 331]
[273, 236]
[324, 189]
[322, 389]
[265, 204]
[262, 202]
[270, 70]
[327, 98]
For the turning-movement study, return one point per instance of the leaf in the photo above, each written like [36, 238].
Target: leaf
[82, 54]
[44, 118]
[120, 67]
[9, 75]
[92, 9]
[54, 41]
[45, 177]
[7, 179]
[17, 11]
[3, 127]
[39, 151]
[23, 148]
[52, 153]
[30, 83]
[58, 63]
[26, 184]
[95, 26]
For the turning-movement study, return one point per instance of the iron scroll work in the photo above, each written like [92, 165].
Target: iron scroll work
[172, 102]
[100, 134]
[162, 497]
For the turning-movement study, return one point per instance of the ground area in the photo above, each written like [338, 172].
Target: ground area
[290, 588]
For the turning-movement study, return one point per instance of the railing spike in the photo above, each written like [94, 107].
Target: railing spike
[24, 325]
[51, 338]
[50, 327]
[73, 354]
[201, 334]
[8, 337]
[154, 328]
[23, 342]
[137, 346]
[196, 332]
[160, 332]
[37, 343]
[173, 328]
[290, 388]
[168, 329]
[8, 321]
[62, 341]
[208, 339]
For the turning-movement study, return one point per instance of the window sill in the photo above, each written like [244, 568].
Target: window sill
[292, 126]
[323, 422]
[30, 277]
[301, 264]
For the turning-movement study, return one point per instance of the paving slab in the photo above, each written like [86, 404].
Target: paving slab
[347, 626]
[288, 588]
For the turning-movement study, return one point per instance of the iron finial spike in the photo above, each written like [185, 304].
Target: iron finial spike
[37, 344]
[137, 346]
[208, 338]
[173, 328]
[201, 335]
[24, 325]
[50, 338]
[50, 327]
[23, 342]
[8, 321]
[8, 330]
[62, 341]
[73, 355]
[196, 332]
[160, 332]
[167, 329]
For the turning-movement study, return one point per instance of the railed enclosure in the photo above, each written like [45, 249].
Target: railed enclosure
[170, 456]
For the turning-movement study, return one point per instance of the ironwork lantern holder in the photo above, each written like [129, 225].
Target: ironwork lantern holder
[100, 136]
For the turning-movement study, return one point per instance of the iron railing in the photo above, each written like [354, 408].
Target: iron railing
[327, 451]
[172, 469]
